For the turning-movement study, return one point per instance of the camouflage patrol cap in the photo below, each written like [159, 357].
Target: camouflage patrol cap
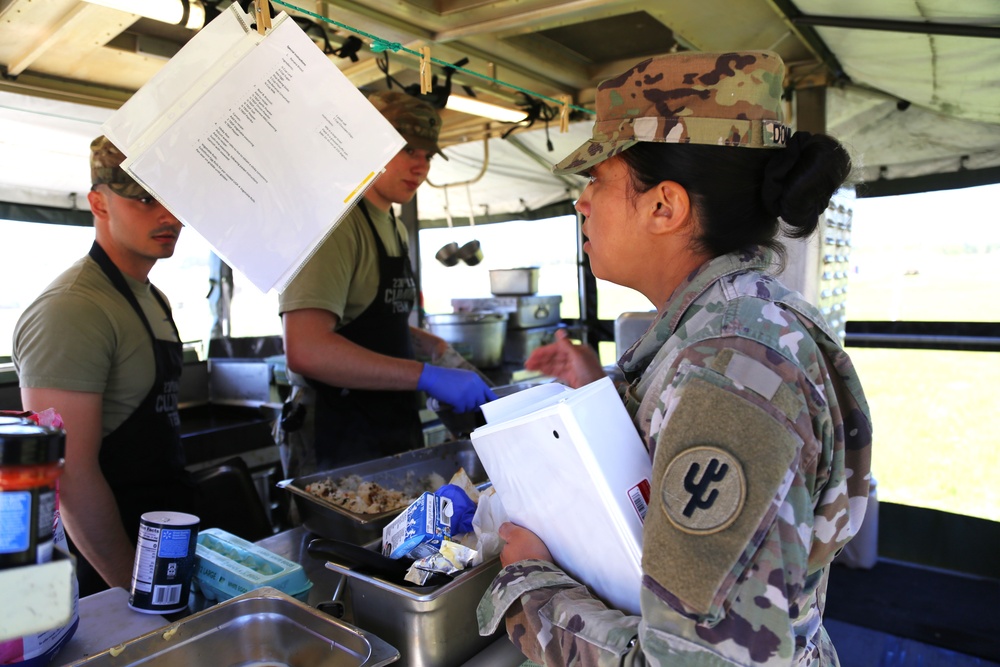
[724, 99]
[105, 167]
[415, 119]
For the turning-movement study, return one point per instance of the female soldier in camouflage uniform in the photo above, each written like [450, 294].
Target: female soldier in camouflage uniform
[756, 424]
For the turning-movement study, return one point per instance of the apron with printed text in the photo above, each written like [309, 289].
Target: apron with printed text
[142, 460]
[353, 425]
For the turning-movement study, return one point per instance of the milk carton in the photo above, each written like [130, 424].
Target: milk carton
[419, 530]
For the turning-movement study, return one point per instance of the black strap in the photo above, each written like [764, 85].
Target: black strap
[98, 254]
[403, 247]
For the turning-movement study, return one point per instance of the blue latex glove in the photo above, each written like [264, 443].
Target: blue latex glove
[462, 390]
[463, 509]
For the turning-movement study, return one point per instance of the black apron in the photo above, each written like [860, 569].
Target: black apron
[355, 425]
[142, 460]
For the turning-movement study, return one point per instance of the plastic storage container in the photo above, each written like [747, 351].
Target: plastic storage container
[31, 460]
[229, 566]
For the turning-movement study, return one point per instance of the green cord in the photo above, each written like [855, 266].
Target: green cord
[379, 45]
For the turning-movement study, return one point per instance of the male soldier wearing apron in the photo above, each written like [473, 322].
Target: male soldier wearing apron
[346, 319]
[99, 346]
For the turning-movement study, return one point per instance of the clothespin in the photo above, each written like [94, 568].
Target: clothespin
[565, 101]
[425, 70]
[263, 9]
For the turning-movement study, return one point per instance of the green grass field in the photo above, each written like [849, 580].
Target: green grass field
[936, 422]
[920, 286]
[934, 412]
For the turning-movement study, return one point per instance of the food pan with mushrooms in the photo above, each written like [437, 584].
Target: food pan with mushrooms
[361, 499]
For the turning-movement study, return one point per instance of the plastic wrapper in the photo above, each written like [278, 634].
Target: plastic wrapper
[451, 558]
[490, 514]
[48, 417]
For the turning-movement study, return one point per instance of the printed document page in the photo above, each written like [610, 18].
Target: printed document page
[269, 158]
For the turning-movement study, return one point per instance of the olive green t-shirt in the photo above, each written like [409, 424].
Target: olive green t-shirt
[342, 277]
[80, 334]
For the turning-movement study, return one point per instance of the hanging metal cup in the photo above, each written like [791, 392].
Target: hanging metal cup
[471, 253]
[448, 254]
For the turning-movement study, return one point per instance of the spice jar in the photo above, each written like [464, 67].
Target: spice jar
[31, 460]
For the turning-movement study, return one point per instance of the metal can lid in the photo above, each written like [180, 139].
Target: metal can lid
[30, 444]
[167, 518]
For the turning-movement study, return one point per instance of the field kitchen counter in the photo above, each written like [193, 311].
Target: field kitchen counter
[106, 619]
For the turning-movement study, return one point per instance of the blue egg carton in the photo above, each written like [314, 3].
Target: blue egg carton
[229, 566]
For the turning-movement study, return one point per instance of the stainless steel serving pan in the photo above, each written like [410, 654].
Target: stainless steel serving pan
[400, 471]
[432, 626]
[262, 627]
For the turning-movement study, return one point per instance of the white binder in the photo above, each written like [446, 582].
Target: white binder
[574, 471]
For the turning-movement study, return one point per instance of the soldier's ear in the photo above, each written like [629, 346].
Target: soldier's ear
[669, 208]
[98, 201]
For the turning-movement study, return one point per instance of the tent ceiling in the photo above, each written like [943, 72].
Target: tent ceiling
[911, 85]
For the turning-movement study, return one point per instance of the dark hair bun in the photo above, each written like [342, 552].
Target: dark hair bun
[800, 179]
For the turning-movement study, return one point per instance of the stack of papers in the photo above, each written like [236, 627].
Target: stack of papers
[569, 465]
[258, 142]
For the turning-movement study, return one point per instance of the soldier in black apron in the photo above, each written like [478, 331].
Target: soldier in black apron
[142, 459]
[361, 405]
[356, 424]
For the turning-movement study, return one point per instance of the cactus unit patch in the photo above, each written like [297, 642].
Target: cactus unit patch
[703, 490]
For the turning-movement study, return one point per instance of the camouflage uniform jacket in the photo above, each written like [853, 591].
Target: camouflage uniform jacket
[760, 440]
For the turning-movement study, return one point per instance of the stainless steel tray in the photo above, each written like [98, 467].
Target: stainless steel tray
[393, 472]
[523, 312]
[262, 627]
[431, 626]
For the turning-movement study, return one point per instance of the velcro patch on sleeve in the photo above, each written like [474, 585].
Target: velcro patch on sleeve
[721, 462]
[754, 375]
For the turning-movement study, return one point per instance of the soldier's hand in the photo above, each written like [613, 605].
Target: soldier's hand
[574, 365]
[522, 544]
[461, 389]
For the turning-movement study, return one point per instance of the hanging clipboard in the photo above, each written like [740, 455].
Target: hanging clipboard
[256, 141]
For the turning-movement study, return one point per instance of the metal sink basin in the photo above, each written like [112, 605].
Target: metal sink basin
[214, 431]
[263, 628]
